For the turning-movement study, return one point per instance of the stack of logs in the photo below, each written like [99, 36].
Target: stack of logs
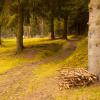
[70, 78]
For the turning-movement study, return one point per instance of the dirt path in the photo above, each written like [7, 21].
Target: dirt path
[20, 83]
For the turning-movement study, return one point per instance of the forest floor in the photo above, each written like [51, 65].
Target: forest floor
[32, 75]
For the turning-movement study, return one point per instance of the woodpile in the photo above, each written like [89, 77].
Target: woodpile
[69, 78]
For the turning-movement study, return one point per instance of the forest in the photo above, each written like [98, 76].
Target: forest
[49, 49]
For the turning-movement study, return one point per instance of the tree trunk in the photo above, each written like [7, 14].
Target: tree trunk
[52, 28]
[42, 27]
[94, 38]
[29, 31]
[20, 29]
[65, 28]
[0, 35]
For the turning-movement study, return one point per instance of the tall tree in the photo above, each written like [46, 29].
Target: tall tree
[0, 35]
[94, 37]
[19, 9]
[52, 27]
[1, 8]
[65, 9]
[81, 16]
[47, 9]
[74, 13]
[20, 27]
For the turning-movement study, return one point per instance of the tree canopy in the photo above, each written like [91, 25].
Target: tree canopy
[72, 13]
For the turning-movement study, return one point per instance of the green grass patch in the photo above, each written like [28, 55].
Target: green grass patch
[84, 93]
[36, 49]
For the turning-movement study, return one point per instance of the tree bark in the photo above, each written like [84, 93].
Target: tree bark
[0, 35]
[42, 27]
[65, 28]
[20, 28]
[52, 28]
[94, 38]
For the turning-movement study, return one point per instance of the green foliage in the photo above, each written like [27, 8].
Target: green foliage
[12, 21]
[1, 9]
[77, 12]
[59, 27]
[1, 5]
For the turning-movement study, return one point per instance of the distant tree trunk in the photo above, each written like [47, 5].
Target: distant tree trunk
[52, 28]
[79, 30]
[0, 35]
[94, 38]
[20, 28]
[42, 27]
[29, 31]
[65, 28]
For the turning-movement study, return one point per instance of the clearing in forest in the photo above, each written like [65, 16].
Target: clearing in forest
[32, 75]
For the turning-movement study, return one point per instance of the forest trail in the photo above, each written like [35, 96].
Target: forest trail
[21, 83]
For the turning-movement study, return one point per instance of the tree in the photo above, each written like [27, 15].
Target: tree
[1, 8]
[47, 9]
[18, 8]
[75, 15]
[16, 14]
[0, 35]
[81, 17]
[20, 27]
[65, 9]
[56, 9]
[94, 37]
[52, 27]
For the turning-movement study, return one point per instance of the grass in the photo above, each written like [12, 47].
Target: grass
[40, 49]
[84, 93]
[35, 51]
[80, 56]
